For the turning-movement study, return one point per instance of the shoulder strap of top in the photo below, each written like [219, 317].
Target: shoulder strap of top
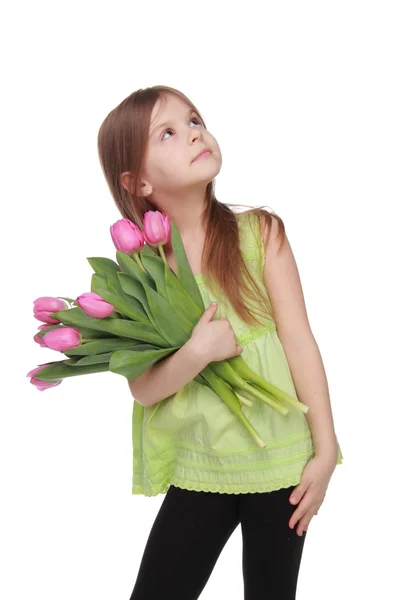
[251, 240]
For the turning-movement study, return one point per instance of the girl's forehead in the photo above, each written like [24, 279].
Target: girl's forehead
[166, 111]
[169, 106]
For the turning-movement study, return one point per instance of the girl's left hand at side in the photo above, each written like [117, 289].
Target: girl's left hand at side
[310, 492]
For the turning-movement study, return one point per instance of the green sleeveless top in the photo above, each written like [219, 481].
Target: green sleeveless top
[193, 441]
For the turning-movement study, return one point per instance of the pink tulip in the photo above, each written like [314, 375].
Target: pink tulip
[39, 339]
[45, 306]
[41, 384]
[94, 305]
[63, 338]
[156, 227]
[126, 236]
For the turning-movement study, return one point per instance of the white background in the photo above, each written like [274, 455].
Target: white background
[303, 98]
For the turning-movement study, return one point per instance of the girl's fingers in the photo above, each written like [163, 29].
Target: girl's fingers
[298, 514]
[310, 508]
[305, 520]
[305, 511]
[303, 525]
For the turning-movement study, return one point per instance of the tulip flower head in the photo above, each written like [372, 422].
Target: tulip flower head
[126, 236]
[94, 305]
[63, 338]
[44, 306]
[41, 384]
[156, 228]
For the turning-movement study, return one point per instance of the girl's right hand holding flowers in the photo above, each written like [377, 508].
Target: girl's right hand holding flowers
[214, 340]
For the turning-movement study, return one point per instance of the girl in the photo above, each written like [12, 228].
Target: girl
[157, 154]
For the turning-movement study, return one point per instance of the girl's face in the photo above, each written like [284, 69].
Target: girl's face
[176, 137]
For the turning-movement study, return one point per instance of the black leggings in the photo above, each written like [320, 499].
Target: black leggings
[191, 529]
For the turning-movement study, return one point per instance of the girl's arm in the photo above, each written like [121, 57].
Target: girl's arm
[309, 378]
[168, 375]
[282, 282]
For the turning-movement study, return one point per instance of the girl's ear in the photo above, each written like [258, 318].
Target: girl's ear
[126, 181]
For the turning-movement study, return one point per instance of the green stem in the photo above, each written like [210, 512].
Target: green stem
[243, 399]
[136, 257]
[228, 396]
[162, 254]
[244, 372]
[224, 370]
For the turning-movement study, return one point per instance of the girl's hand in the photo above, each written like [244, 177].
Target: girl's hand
[311, 491]
[214, 340]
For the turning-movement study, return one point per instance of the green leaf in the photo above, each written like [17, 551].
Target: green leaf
[130, 266]
[132, 364]
[106, 278]
[61, 369]
[168, 321]
[154, 265]
[133, 287]
[103, 265]
[162, 275]
[104, 345]
[89, 334]
[122, 302]
[178, 297]
[148, 250]
[118, 327]
[71, 362]
[185, 274]
[99, 280]
[94, 359]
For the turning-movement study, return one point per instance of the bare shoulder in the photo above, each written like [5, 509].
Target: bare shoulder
[270, 231]
[282, 282]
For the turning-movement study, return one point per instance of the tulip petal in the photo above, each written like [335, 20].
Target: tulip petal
[42, 385]
[63, 338]
[126, 236]
[154, 228]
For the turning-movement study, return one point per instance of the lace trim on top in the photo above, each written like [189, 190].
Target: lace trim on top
[228, 488]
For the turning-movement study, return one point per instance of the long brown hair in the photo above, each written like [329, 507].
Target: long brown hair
[122, 143]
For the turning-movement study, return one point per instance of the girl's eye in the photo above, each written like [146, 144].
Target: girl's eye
[192, 119]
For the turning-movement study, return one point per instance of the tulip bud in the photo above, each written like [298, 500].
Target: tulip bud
[156, 228]
[41, 384]
[63, 338]
[94, 305]
[46, 305]
[126, 236]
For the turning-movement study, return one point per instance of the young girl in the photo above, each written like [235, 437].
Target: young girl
[157, 154]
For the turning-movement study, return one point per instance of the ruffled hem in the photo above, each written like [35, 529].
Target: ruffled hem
[234, 489]
[252, 471]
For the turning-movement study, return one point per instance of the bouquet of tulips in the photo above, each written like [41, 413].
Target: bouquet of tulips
[137, 313]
